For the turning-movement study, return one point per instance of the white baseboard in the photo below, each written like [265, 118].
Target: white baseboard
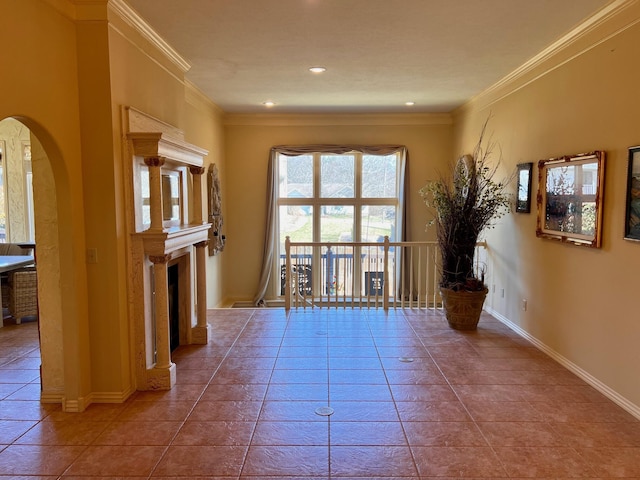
[611, 394]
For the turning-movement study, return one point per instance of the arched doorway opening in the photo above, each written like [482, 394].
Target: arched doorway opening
[29, 214]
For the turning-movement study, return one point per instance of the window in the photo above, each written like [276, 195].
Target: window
[337, 198]
[332, 194]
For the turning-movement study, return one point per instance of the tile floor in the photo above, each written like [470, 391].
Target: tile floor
[409, 397]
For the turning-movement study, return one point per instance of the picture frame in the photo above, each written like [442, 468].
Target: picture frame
[632, 211]
[570, 197]
[523, 192]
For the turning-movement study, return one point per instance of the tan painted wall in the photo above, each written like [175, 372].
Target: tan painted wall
[203, 127]
[582, 303]
[247, 144]
[43, 94]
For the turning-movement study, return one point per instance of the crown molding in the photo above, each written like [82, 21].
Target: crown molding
[388, 119]
[526, 73]
[131, 17]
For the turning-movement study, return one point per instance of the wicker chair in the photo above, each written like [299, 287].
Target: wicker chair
[10, 249]
[23, 293]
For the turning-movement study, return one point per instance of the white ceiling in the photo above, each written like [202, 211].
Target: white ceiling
[378, 53]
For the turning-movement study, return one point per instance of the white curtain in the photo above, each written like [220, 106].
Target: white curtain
[271, 235]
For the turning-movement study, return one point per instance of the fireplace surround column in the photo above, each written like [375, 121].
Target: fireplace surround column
[155, 189]
[164, 372]
[200, 333]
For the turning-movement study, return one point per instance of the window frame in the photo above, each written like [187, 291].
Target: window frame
[317, 204]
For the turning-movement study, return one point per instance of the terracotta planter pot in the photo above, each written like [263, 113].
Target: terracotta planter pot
[463, 308]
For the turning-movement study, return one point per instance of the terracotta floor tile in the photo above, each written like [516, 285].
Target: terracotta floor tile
[422, 393]
[410, 397]
[195, 377]
[415, 377]
[361, 411]
[173, 411]
[291, 433]
[598, 434]
[613, 461]
[190, 461]
[300, 376]
[288, 411]
[583, 412]
[367, 433]
[298, 363]
[24, 410]
[226, 410]
[179, 392]
[295, 461]
[11, 430]
[498, 411]
[116, 460]
[138, 433]
[437, 411]
[342, 392]
[366, 377]
[30, 391]
[7, 389]
[318, 392]
[520, 434]
[458, 462]
[444, 434]
[372, 461]
[251, 392]
[251, 363]
[48, 432]
[242, 377]
[37, 459]
[214, 433]
[359, 363]
[554, 462]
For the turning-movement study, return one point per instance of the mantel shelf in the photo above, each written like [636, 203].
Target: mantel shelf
[169, 240]
[158, 144]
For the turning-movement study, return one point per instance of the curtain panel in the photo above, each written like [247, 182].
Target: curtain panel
[271, 235]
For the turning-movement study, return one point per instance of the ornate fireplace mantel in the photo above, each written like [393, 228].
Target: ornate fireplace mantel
[167, 230]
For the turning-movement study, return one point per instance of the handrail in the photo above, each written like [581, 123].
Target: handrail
[367, 274]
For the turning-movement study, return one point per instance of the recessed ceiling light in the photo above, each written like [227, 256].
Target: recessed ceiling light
[268, 103]
[409, 104]
[317, 69]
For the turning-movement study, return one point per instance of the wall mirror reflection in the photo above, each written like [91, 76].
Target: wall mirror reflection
[171, 196]
[570, 193]
[523, 198]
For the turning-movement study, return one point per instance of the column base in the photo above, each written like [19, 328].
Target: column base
[161, 378]
[200, 335]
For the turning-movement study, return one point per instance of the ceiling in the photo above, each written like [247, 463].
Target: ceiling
[378, 54]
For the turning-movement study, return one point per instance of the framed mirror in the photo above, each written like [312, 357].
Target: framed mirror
[632, 219]
[523, 197]
[570, 194]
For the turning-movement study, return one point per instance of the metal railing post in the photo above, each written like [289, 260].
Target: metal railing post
[385, 296]
[288, 283]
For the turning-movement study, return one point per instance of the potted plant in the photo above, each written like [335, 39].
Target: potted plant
[466, 201]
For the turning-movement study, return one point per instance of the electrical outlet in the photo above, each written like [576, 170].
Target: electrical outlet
[92, 255]
[502, 293]
[524, 304]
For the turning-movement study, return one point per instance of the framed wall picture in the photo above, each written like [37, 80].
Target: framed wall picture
[570, 195]
[523, 197]
[632, 219]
